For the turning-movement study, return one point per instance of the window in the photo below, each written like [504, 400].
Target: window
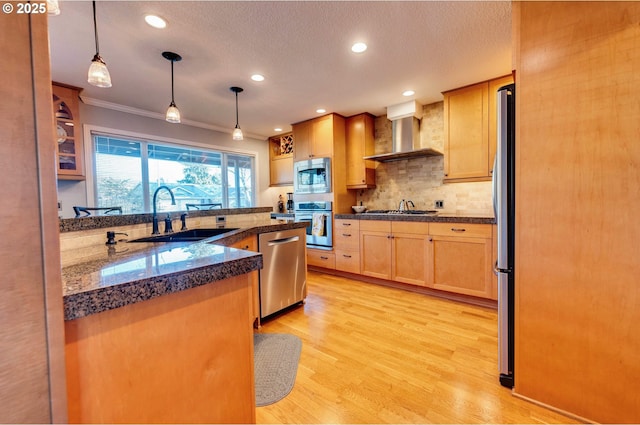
[129, 171]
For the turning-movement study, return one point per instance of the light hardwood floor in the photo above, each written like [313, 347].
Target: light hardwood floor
[373, 354]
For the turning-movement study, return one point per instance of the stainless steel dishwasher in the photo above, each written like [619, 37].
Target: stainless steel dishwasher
[283, 277]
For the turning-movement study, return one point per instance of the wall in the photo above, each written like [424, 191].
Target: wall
[32, 370]
[75, 192]
[577, 197]
[420, 179]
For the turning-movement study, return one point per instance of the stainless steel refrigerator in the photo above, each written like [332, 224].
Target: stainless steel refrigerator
[504, 207]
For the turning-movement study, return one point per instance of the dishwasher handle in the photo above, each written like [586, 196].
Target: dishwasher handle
[283, 240]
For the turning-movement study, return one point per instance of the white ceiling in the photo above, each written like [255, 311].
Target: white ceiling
[302, 48]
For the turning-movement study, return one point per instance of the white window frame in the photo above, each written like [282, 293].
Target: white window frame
[89, 153]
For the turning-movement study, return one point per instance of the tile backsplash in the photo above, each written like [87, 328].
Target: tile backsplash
[421, 179]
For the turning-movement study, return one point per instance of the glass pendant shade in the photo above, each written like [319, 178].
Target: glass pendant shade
[237, 134]
[98, 73]
[173, 114]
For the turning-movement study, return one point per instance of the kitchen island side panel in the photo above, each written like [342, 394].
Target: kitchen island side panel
[185, 357]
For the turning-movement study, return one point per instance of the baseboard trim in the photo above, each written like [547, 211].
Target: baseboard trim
[553, 408]
[467, 299]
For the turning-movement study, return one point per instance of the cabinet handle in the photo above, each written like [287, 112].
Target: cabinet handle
[346, 256]
[455, 229]
[324, 258]
[346, 224]
[347, 235]
[430, 239]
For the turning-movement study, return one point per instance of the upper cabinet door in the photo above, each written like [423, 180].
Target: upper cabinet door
[360, 143]
[466, 146]
[470, 127]
[314, 138]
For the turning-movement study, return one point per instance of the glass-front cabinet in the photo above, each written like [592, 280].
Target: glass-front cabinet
[68, 132]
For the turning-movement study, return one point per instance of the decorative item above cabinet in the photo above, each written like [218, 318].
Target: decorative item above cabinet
[281, 160]
[68, 132]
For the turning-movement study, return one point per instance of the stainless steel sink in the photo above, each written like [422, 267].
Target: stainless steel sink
[186, 235]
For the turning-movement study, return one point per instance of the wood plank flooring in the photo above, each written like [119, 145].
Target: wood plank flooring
[373, 354]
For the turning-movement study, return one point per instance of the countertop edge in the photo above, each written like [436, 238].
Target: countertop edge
[418, 218]
[86, 303]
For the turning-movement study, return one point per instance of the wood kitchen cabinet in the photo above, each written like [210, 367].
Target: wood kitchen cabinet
[68, 132]
[321, 258]
[281, 160]
[361, 173]
[470, 130]
[315, 138]
[347, 245]
[461, 256]
[250, 243]
[395, 250]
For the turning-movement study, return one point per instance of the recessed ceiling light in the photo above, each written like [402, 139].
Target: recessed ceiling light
[321, 111]
[155, 21]
[358, 47]
[277, 129]
[408, 93]
[257, 77]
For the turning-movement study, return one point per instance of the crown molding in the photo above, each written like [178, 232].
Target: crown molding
[158, 116]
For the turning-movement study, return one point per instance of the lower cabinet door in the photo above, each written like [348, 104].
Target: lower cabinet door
[375, 254]
[461, 265]
[410, 258]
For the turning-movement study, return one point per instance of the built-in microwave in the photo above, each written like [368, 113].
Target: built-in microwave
[312, 176]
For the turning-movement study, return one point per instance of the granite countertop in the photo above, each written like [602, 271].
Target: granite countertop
[127, 273]
[432, 218]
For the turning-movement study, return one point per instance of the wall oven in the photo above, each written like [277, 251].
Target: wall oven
[318, 217]
[312, 176]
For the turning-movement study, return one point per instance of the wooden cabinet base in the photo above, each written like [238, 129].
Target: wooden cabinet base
[186, 357]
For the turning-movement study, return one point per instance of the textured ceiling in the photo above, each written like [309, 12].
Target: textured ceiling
[302, 48]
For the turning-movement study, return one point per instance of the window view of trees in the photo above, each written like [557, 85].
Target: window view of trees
[194, 176]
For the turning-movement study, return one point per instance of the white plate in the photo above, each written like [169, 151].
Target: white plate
[62, 134]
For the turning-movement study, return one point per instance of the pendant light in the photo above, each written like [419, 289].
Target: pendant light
[98, 73]
[173, 114]
[237, 133]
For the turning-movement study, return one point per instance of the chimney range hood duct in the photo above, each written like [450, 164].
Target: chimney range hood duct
[405, 124]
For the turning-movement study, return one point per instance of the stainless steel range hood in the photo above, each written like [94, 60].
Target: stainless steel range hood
[405, 123]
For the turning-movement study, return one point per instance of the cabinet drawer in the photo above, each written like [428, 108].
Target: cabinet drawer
[348, 261]
[467, 230]
[347, 239]
[410, 227]
[343, 224]
[375, 226]
[320, 258]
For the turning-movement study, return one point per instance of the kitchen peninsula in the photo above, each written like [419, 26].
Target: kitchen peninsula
[161, 332]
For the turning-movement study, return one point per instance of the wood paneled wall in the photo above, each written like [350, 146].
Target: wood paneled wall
[33, 385]
[578, 196]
